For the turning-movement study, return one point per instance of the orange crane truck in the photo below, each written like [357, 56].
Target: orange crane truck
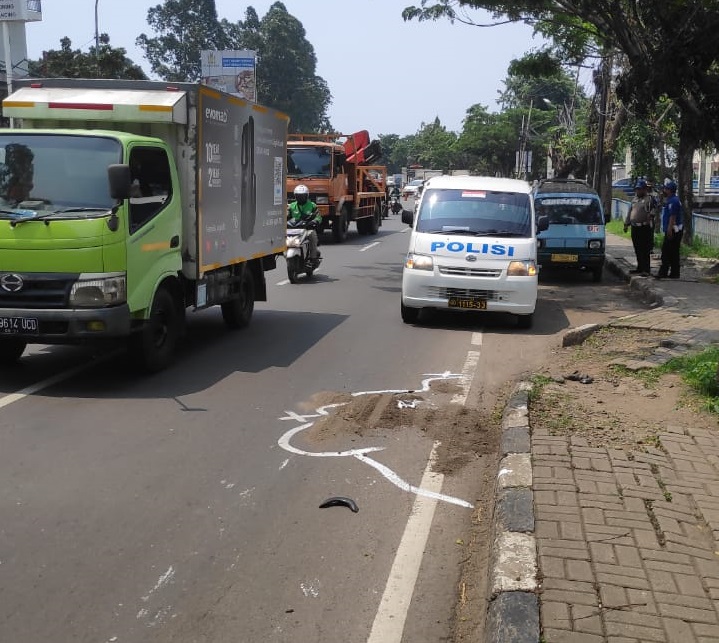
[339, 172]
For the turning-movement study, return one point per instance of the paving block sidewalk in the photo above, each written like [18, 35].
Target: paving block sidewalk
[628, 543]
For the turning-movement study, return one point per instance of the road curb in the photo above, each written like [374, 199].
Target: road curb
[513, 609]
[644, 285]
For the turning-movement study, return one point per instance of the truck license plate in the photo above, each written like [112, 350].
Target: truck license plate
[468, 303]
[17, 325]
[559, 258]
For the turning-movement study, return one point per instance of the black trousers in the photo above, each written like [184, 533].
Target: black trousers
[643, 241]
[671, 255]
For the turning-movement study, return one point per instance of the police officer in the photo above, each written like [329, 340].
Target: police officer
[640, 219]
[673, 229]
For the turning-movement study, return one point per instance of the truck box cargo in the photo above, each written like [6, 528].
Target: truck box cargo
[122, 203]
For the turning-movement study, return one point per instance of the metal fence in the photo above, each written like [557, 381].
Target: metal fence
[706, 227]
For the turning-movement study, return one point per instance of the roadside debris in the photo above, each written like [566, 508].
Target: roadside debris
[340, 501]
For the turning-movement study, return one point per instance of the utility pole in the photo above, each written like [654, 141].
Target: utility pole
[97, 32]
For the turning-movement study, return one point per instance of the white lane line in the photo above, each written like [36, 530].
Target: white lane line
[476, 339]
[370, 245]
[407, 229]
[389, 621]
[284, 282]
[9, 399]
[465, 383]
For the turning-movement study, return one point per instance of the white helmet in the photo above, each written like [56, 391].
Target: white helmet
[302, 189]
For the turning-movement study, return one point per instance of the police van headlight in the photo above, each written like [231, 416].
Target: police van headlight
[96, 291]
[595, 244]
[418, 262]
[522, 269]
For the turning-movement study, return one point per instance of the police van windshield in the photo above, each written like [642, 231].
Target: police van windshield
[478, 212]
[570, 210]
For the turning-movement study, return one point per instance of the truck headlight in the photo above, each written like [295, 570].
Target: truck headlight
[96, 291]
[595, 244]
[522, 269]
[418, 262]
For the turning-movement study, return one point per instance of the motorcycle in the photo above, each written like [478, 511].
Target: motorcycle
[394, 205]
[297, 254]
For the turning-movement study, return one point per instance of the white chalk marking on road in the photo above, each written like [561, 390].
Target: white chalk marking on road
[369, 245]
[284, 464]
[470, 367]
[476, 339]
[312, 589]
[389, 621]
[9, 399]
[361, 454]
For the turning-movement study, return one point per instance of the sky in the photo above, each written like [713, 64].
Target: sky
[385, 75]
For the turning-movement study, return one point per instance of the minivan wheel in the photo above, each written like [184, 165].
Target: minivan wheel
[11, 350]
[410, 315]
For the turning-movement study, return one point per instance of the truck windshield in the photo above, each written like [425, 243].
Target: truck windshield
[303, 162]
[479, 212]
[570, 210]
[53, 172]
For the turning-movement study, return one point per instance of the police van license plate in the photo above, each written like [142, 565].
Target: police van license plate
[17, 325]
[561, 258]
[468, 303]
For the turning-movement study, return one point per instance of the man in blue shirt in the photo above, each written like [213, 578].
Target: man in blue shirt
[673, 229]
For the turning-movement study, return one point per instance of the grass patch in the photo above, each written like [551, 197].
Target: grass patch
[699, 371]
[538, 384]
[695, 249]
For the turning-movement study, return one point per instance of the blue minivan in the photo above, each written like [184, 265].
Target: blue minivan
[574, 237]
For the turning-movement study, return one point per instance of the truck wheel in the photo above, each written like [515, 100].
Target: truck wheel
[153, 347]
[376, 221]
[525, 321]
[340, 226]
[237, 313]
[410, 315]
[362, 227]
[11, 350]
[293, 269]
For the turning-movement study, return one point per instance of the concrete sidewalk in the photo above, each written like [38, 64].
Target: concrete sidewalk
[624, 546]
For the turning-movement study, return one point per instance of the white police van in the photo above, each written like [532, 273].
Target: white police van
[473, 247]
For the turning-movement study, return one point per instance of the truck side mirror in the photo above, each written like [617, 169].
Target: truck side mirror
[118, 175]
[407, 217]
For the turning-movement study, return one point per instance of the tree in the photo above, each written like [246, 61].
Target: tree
[184, 28]
[434, 146]
[286, 65]
[669, 48]
[488, 142]
[103, 62]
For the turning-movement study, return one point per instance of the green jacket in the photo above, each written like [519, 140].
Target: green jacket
[307, 211]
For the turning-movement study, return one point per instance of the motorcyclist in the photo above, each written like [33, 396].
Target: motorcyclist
[303, 209]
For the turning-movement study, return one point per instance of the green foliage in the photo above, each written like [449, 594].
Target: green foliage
[101, 62]
[184, 28]
[286, 67]
[701, 372]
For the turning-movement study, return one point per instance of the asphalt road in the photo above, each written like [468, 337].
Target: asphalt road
[178, 508]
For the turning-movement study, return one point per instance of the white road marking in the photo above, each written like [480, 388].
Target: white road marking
[284, 463]
[284, 282]
[361, 454]
[161, 582]
[7, 400]
[476, 339]
[370, 245]
[470, 366]
[389, 621]
[407, 229]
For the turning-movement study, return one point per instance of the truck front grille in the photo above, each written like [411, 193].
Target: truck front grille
[38, 290]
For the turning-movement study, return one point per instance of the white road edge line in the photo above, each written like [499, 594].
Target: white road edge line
[476, 339]
[370, 245]
[465, 383]
[391, 616]
[9, 399]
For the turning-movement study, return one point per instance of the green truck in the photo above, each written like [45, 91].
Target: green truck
[125, 203]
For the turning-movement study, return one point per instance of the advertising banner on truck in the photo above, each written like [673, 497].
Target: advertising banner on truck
[232, 72]
[241, 197]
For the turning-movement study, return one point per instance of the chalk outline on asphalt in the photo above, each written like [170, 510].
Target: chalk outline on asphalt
[361, 454]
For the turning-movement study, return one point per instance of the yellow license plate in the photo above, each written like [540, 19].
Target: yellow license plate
[470, 304]
[565, 258]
